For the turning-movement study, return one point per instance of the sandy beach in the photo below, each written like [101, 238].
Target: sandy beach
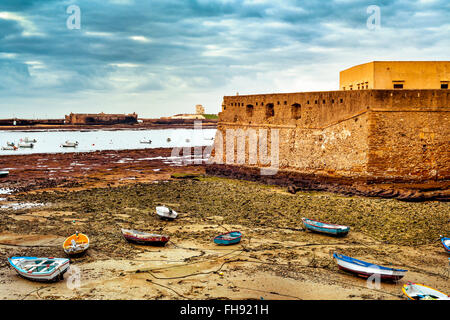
[276, 259]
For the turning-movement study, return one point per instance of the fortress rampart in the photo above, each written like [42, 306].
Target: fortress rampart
[401, 135]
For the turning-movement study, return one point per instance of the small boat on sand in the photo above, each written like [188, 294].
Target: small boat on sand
[40, 269]
[76, 244]
[327, 228]
[446, 243]
[4, 173]
[25, 145]
[416, 291]
[145, 238]
[166, 213]
[365, 269]
[69, 144]
[228, 238]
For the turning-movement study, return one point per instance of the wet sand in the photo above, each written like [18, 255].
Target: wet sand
[277, 258]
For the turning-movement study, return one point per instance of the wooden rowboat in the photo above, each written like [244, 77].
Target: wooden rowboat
[365, 269]
[40, 269]
[145, 238]
[229, 238]
[327, 228]
[166, 213]
[446, 243]
[76, 244]
[416, 291]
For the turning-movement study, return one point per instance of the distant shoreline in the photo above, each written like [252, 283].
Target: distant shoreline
[147, 124]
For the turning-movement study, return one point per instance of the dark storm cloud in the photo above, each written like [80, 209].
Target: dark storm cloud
[149, 46]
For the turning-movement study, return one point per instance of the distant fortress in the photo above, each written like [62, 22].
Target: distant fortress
[388, 121]
[100, 119]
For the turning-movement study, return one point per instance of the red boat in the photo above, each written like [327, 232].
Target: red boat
[140, 237]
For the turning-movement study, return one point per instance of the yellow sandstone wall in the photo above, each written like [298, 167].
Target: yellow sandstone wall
[371, 133]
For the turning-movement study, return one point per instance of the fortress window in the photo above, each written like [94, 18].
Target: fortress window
[342, 100]
[324, 102]
[398, 85]
[285, 103]
[332, 100]
[296, 111]
[307, 102]
[316, 102]
[270, 110]
[444, 85]
[278, 103]
[249, 110]
[262, 103]
[257, 103]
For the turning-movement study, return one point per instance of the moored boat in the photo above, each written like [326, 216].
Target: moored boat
[76, 244]
[365, 269]
[145, 238]
[146, 141]
[40, 269]
[11, 148]
[10, 144]
[417, 291]
[4, 173]
[446, 243]
[327, 228]
[166, 213]
[28, 140]
[25, 145]
[69, 144]
[228, 238]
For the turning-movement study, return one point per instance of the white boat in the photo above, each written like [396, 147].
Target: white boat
[25, 145]
[365, 269]
[4, 173]
[10, 144]
[69, 144]
[12, 148]
[40, 269]
[146, 141]
[166, 213]
[28, 140]
[416, 291]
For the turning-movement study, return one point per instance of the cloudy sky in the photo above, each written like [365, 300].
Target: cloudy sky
[162, 57]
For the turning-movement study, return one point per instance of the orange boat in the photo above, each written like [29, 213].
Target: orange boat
[76, 244]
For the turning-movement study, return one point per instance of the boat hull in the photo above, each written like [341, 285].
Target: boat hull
[166, 213]
[80, 247]
[416, 291]
[446, 244]
[4, 174]
[18, 263]
[229, 238]
[325, 228]
[145, 238]
[365, 270]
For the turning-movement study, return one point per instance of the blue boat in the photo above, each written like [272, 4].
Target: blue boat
[327, 228]
[365, 269]
[446, 243]
[226, 239]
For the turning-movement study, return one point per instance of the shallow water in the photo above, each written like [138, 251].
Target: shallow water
[98, 140]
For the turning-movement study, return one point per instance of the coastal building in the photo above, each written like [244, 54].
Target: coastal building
[100, 118]
[383, 131]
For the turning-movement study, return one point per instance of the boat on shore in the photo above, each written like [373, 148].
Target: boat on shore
[4, 173]
[69, 144]
[25, 145]
[365, 269]
[166, 213]
[228, 238]
[76, 244]
[10, 148]
[40, 269]
[446, 243]
[327, 228]
[145, 238]
[417, 291]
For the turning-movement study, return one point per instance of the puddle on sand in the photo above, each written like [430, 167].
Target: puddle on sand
[20, 206]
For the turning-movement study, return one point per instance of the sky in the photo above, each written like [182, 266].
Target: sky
[163, 57]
